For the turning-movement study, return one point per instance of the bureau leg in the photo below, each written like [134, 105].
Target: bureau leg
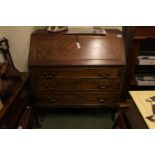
[120, 117]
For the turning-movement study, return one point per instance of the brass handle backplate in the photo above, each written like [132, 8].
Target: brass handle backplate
[49, 75]
[103, 75]
[49, 87]
[101, 100]
[52, 99]
[102, 87]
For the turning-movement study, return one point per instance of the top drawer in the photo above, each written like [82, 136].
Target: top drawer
[50, 73]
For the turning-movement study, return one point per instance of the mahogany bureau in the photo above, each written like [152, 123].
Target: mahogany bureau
[76, 70]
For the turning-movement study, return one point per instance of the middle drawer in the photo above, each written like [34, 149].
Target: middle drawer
[74, 72]
[77, 84]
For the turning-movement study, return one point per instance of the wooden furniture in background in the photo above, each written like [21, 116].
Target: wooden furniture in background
[13, 114]
[77, 70]
[137, 38]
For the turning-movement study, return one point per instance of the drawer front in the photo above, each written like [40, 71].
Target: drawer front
[49, 73]
[77, 98]
[77, 84]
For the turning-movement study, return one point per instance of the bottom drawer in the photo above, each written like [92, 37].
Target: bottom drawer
[77, 98]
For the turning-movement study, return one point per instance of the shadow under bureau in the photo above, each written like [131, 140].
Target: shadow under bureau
[76, 70]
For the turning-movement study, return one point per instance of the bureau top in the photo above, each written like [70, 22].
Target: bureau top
[59, 49]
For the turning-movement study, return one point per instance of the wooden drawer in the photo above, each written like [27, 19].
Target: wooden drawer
[77, 84]
[77, 98]
[50, 73]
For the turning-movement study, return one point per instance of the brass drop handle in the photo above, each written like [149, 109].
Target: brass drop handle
[102, 87]
[49, 75]
[52, 99]
[49, 87]
[53, 73]
[101, 100]
[103, 75]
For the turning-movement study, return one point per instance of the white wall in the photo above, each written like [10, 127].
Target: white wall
[19, 42]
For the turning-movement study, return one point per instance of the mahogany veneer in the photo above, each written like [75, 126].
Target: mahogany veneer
[65, 74]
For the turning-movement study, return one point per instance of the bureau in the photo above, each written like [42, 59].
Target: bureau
[72, 70]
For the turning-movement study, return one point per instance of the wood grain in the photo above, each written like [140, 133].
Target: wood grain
[76, 70]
